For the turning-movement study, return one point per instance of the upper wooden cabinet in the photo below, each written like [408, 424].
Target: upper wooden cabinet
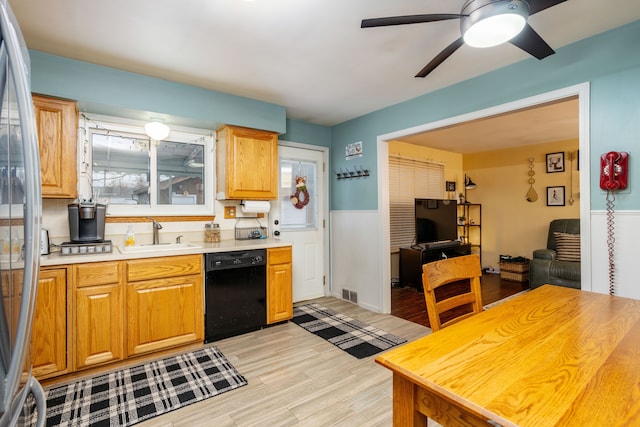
[247, 164]
[57, 122]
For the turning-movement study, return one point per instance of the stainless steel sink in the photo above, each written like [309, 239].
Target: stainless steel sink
[158, 247]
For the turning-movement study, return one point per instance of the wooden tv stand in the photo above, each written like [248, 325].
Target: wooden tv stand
[412, 258]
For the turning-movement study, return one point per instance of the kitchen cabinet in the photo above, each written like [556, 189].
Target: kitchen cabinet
[49, 327]
[48, 349]
[164, 302]
[57, 124]
[98, 315]
[247, 164]
[279, 285]
[11, 285]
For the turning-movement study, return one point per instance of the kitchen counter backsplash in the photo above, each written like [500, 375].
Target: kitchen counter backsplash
[55, 219]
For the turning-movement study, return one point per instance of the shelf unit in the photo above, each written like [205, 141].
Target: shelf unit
[470, 228]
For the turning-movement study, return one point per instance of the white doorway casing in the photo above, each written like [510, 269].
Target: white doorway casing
[580, 90]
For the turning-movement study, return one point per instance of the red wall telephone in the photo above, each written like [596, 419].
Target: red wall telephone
[613, 170]
[613, 177]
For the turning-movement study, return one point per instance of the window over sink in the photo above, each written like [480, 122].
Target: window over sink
[136, 175]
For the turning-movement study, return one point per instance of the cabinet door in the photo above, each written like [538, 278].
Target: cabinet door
[163, 313]
[98, 325]
[57, 122]
[11, 290]
[251, 163]
[49, 327]
[279, 285]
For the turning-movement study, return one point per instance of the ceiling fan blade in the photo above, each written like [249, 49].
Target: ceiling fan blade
[408, 19]
[536, 6]
[531, 42]
[440, 58]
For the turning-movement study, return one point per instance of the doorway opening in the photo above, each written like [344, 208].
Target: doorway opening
[580, 91]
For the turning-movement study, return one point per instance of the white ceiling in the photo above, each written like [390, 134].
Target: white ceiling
[310, 56]
[551, 122]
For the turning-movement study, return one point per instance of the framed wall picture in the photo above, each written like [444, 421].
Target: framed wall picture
[555, 162]
[555, 196]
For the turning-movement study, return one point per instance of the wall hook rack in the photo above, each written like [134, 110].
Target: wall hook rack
[357, 172]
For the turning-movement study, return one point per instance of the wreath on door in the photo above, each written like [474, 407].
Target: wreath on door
[301, 187]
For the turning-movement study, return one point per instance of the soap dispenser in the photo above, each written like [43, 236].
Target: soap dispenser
[129, 237]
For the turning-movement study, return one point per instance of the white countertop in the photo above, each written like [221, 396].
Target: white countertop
[200, 248]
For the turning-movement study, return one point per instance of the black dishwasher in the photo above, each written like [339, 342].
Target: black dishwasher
[235, 293]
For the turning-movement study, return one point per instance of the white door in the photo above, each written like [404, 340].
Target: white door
[298, 217]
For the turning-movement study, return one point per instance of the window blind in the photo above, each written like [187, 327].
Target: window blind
[410, 179]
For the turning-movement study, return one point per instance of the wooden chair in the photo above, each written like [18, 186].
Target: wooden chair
[438, 273]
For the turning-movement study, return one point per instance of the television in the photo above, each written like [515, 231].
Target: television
[436, 220]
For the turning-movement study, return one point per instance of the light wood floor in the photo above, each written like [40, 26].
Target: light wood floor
[296, 378]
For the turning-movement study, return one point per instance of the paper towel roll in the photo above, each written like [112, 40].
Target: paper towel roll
[256, 206]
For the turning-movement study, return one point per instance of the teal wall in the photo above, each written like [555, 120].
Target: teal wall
[307, 133]
[104, 90]
[609, 61]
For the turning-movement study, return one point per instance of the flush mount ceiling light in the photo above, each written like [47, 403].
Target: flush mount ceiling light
[490, 23]
[483, 23]
[156, 130]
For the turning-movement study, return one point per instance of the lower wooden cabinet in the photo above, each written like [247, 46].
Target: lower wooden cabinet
[127, 308]
[98, 314]
[279, 285]
[167, 309]
[48, 347]
[91, 314]
[49, 327]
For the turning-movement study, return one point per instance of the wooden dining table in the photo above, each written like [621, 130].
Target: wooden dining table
[552, 356]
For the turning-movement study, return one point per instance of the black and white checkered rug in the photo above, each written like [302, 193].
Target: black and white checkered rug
[356, 338]
[132, 395]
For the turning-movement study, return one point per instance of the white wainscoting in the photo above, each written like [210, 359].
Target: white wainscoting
[354, 239]
[627, 262]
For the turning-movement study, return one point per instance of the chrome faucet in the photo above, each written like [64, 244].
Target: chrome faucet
[156, 226]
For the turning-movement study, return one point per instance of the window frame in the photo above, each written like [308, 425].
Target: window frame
[135, 128]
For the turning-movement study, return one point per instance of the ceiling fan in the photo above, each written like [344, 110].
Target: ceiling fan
[483, 23]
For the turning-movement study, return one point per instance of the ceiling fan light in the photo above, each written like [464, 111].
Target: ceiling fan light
[494, 30]
[156, 130]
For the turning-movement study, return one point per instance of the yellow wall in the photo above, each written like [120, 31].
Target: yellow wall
[510, 224]
[452, 161]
